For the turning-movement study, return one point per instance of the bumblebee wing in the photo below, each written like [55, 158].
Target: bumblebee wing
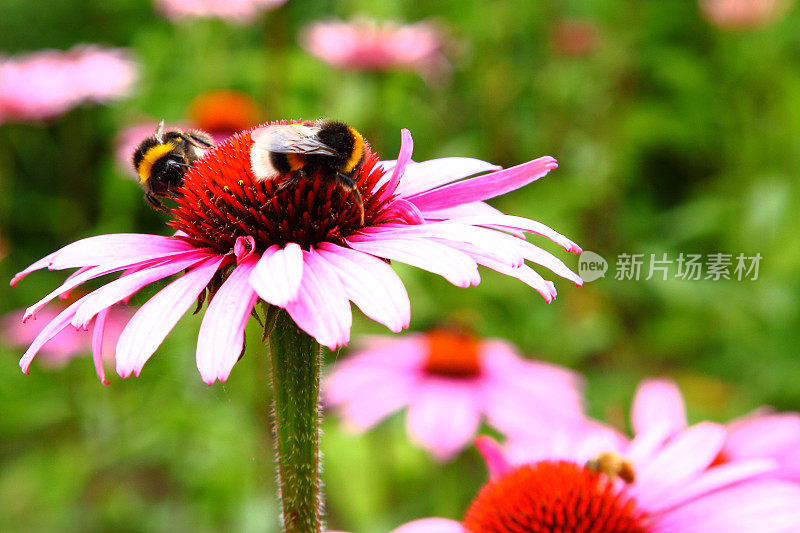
[200, 139]
[290, 139]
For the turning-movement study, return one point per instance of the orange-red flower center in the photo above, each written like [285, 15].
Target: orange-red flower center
[452, 354]
[551, 497]
[221, 200]
[224, 112]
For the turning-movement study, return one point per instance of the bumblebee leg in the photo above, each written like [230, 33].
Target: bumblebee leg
[155, 202]
[293, 179]
[350, 185]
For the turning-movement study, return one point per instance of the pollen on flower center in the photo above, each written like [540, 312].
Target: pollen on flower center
[552, 496]
[452, 354]
[221, 200]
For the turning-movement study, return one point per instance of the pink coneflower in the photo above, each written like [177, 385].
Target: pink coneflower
[738, 15]
[239, 11]
[590, 481]
[69, 343]
[762, 434]
[303, 249]
[48, 83]
[371, 45]
[449, 381]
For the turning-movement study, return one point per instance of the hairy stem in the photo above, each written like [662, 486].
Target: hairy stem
[296, 412]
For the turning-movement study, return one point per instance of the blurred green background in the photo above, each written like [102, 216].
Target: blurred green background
[672, 136]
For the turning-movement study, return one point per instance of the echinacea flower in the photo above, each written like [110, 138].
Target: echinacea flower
[68, 343]
[238, 11]
[449, 380]
[371, 45]
[48, 83]
[739, 15]
[587, 479]
[762, 434]
[302, 248]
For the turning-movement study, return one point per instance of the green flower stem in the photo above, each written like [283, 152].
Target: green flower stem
[296, 412]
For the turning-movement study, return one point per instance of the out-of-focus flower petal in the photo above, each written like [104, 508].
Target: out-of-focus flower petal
[658, 402]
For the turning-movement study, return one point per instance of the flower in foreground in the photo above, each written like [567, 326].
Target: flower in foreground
[239, 11]
[449, 380]
[69, 343]
[44, 84]
[301, 248]
[371, 45]
[590, 479]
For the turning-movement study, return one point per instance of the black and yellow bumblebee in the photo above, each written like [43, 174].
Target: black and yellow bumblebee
[162, 159]
[332, 148]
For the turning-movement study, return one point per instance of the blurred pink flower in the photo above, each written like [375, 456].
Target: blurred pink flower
[372, 45]
[68, 343]
[48, 83]
[760, 435]
[239, 11]
[307, 248]
[587, 479]
[738, 15]
[449, 381]
[573, 37]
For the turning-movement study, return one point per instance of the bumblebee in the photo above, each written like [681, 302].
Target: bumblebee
[332, 148]
[613, 465]
[161, 160]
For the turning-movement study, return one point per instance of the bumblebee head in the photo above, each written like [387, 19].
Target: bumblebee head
[345, 140]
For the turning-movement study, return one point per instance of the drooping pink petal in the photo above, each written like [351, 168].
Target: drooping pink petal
[278, 274]
[322, 308]
[484, 187]
[101, 249]
[443, 416]
[61, 321]
[523, 273]
[684, 457]
[456, 267]
[400, 210]
[98, 334]
[371, 284]
[658, 402]
[102, 270]
[149, 326]
[221, 337]
[406, 147]
[519, 223]
[431, 525]
[125, 286]
[493, 456]
[764, 506]
[427, 175]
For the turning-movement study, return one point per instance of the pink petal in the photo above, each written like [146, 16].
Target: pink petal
[431, 525]
[484, 187]
[403, 211]
[456, 267]
[322, 308]
[61, 321]
[443, 416]
[378, 399]
[682, 459]
[523, 273]
[371, 284]
[715, 479]
[493, 456]
[278, 274]
[519, 223]
[773, 435]
[658, 403]
[98, 334]
[764, 506]
[119, 247]
[406, 147]
[102, 270]
[221, 337]
[427, 175]
[149, 326]
[125, 286]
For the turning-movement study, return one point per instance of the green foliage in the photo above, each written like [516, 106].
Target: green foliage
[672, 136]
